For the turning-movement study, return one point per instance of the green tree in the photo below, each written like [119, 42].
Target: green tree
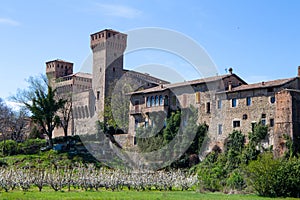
[172, 127]
[262, 174]
[65, 112]
[254, 147]
[44, 110]
[116, 104]
[150, 138]
[235, 141]
[40, 99]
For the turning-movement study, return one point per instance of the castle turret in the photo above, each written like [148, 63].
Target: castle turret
[58, 68]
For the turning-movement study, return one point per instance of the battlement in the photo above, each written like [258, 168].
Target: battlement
[58, 68]
[108, 35]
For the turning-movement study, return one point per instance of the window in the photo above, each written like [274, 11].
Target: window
[219, 104]
[271, 122]
[220, 129]
[233, 102]
[248, 101]
[98, 95]
[114, 69]
[272, 99]
[270, 89]
[148, 102]
[152, 101]
[253, 124]
[160, 100]
[236, 123]
[166, 100]
[263, 119]
[245, 116]
[208, 107]
[136, 102]
[156, 101]
[197, 97]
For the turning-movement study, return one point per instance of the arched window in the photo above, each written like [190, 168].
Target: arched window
[160, 100]
[152, 101]
[166, 100]
[148, 102]
[156, 101]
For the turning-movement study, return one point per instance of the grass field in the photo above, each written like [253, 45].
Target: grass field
[156, 195]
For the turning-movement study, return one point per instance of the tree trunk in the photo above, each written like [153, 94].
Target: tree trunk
[66, 131]
[50, 142]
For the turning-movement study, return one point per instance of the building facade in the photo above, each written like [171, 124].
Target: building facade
[226, 103]
[89, 93]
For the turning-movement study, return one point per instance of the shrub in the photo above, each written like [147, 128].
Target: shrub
[210, 178]
[211, 172]
[262, 174]
[3, 163]
[275, 177]
[31, 146]
[236, 181]
[8, 147]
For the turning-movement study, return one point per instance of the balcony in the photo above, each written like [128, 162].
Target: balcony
[139, 110]
[135, 111]
[155, 109]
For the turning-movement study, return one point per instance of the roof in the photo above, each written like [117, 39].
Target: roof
[82, 74]
[187, 83]
[267, 84]
[79, 74]
[205, 80]
[58, 60]
[158, 80]
[109, 30]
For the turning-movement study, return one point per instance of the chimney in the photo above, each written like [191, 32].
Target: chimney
[230, 70]
[263, 83]
[229, 86]
[298, 71]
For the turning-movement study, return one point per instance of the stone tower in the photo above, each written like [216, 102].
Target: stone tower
[108, 47]
[57, 69]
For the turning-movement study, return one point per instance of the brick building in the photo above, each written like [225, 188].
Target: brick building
[89, 92]
[226, 103]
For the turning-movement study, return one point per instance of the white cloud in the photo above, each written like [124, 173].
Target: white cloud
[118, 10]
[8, 21]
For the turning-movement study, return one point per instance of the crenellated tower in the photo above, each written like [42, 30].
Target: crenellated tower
[58, 68]
[108, 47]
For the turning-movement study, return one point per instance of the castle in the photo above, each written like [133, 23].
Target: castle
[89, 93]
[225, 103]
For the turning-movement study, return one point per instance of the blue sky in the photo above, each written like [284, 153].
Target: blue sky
[259, 39]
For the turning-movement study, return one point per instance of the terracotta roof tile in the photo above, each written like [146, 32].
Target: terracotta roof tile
[273, 83]
[186, 83]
